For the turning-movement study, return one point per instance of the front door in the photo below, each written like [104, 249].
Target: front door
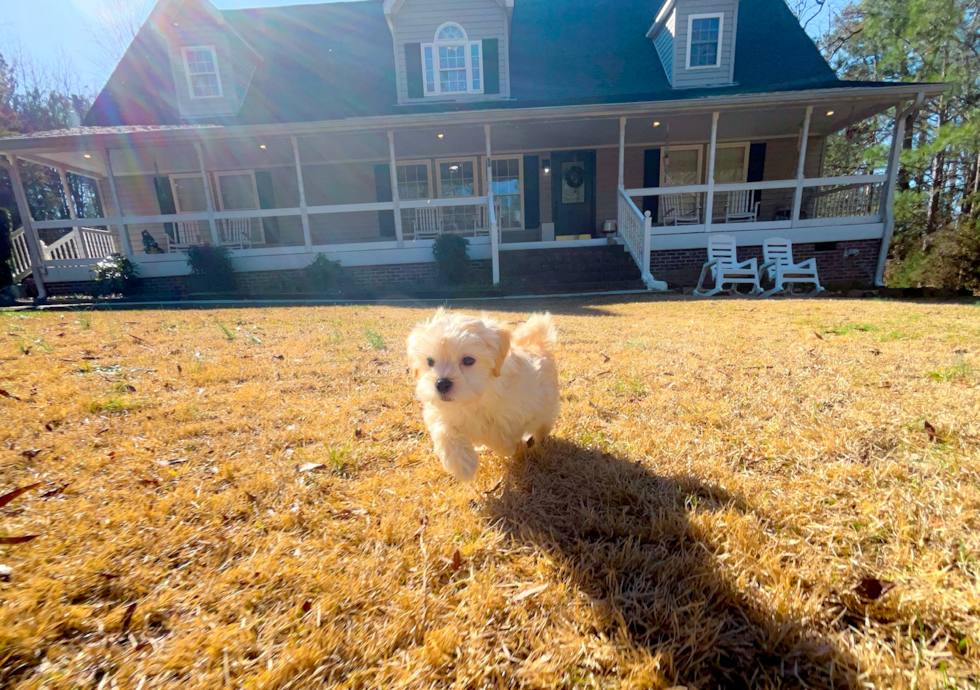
[573, 192]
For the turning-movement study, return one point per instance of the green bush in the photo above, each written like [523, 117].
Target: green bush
[6, 251]
[115, 274]
[451, 255]
[211, 269]
[325, 276]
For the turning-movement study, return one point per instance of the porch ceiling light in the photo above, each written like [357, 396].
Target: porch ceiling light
[440, 135]
[86, 155]
[656, 123]
[829, 113]
[262, 146]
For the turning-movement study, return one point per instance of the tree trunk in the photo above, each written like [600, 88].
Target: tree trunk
[936, 191]
[908, 143]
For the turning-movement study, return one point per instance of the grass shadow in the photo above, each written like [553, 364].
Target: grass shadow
[623, 535]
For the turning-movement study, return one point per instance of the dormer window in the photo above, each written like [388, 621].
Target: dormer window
[452, 64]
[201, 67]
[704, 40]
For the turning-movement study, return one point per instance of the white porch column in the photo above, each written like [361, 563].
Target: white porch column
[888, 196]
[492, 213]
[622, 154]
[121, 229]
[709, 199]
[27, 221]
[395, 197]
[304, 215]
[215, 237]
[800, 164]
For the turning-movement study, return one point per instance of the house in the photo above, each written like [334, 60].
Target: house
[572, 142]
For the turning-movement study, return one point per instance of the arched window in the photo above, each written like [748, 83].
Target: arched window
[452, 63]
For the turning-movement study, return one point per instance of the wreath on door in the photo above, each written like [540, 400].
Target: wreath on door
[575, 177]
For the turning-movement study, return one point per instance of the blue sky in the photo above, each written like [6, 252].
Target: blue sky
[42, 27]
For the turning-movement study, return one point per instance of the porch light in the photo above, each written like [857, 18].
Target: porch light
[546, 164]
[656, 123]
[440, 135]
[86, 155]
[262, 146]
[829, 113]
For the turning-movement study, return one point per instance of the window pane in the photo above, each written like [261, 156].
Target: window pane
[237, 192]
[450, 33]
[475, 65]
[189, 193]
[430, 75]
[682, 168]
[730, 165]
[456, 179]
[413, 182]
[705, 37]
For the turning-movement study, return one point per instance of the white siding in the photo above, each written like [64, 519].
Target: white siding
[687, 78]
[418, 20]
[664, 44]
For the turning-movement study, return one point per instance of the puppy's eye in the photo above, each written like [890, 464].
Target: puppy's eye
[431, 362]
[468, 361]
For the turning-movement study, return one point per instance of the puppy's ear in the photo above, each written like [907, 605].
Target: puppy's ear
[500, 346]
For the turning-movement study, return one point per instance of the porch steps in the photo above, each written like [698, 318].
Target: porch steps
[576, 269]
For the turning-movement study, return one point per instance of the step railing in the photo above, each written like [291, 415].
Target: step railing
[634, 229]
[81, 243]
[20, 256]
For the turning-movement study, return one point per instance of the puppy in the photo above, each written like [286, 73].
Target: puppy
[481, 384]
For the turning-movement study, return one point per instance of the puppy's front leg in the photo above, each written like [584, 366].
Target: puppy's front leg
[456, 452]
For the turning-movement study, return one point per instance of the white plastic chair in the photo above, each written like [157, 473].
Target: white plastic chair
[726, 269]
[741, 207]
[681, 209]
[778, 265]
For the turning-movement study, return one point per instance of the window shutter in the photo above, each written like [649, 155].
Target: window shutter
[413, 70]
[382, 186]
[532, 193]
[267, 199]
[651, 178]
[757, 166]
[491, 66]
[165, 197]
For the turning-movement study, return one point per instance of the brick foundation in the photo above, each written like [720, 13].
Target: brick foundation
[682, 267]
[371, 281]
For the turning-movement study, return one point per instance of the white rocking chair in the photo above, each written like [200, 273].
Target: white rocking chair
[741, 207]
[778, 265]
[725, 268]
[427, 224]
[681, 209]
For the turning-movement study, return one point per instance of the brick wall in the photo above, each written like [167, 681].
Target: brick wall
[378, 281]
[837, 267]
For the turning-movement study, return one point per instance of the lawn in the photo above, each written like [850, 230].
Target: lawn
[737, 494]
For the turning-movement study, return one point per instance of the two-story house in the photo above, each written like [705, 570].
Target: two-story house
[572, 142]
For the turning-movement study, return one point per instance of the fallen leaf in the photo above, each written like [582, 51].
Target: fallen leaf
[150, 480]
[129, 388]
[931, 430]
[5, 394]
[179, 370]
[108, 576]
[529, 592]
[871, 588]
[819, 337]
[172, 461]
[606, 357]
[128, 617]
[457, 560]
[18, 540]
[311, 467]
[49, 427]
[31, 453]
[307, 605]
[5, 572]
[11, 495]
[348, 513]
[358, 433]
[55, 491]
[279, 357]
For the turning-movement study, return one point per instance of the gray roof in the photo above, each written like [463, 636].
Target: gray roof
[335, 61]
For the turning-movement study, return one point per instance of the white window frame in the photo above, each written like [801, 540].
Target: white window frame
[428, 171]
[173, 188]
[695, 147]
[187, 72]
[468, 53]
[252, 222]
[519, 157]
[745, 159]
[720, 16]
[475, 160]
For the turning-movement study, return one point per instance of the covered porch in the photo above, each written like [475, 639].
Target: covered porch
[377, 192]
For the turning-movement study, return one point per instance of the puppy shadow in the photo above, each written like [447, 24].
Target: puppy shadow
[624, 536]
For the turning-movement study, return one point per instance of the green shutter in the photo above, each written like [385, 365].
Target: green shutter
[757, 166]
[491, 66]
[382, 186]
[651, 178]
[532, 193]
[413, 70]
[267, 199]
[168, 207]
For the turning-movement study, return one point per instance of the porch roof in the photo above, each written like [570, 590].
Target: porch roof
[335, 61]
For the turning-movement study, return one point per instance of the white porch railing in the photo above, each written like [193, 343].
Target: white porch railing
[20, 257]
[634, 228]
[427, 219]
[80, 243]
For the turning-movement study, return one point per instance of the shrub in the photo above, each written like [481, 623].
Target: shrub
[6, 251]
[115, 274]
[325, 276]
[451, 255]
[211, 269]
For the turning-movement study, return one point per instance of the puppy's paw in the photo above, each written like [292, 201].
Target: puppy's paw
[462, 463]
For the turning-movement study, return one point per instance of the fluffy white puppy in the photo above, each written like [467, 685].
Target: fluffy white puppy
[481, 384]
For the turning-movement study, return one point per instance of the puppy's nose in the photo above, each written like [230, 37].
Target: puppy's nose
[444, 385]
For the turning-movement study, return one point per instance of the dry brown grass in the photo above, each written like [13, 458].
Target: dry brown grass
[722, 477]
